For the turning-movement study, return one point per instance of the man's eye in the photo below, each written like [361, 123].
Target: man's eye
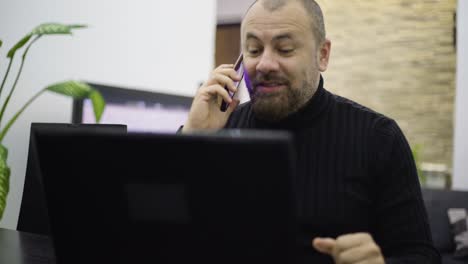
[253, 51]
[286, 51]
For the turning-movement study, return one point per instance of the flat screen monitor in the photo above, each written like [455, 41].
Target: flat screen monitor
[140, 111]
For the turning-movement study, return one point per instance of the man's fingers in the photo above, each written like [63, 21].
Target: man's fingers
[232, 106]
[227, 69]
[324, 245]
[223, 66]
[349, 241]
[215, 90]
[357, 248]
[224, 80]
[357, 254]
[230, 72]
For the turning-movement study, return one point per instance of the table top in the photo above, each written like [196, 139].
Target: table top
[25, 248]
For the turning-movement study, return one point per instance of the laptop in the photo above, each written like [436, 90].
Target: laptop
[164, 198]
[33, 211]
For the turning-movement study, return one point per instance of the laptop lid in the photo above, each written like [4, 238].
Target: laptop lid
[159, 198]
[33, 211]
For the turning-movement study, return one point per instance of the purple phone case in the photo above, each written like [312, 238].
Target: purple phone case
[247, 81]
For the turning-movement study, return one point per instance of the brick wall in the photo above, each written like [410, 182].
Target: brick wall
[398, 58]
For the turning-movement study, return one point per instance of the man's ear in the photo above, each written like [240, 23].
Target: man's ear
[324, 55]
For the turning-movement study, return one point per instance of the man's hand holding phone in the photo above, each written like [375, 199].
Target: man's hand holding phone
[206, 112]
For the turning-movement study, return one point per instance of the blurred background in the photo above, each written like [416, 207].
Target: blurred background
[404, 58]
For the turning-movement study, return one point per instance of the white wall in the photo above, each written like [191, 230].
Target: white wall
[460, 168]
[165, 46]
[231, 12]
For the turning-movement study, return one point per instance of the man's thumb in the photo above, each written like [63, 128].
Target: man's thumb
[324, 245]
[232, 106]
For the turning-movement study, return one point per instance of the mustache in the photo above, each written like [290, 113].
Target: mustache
[269, 78]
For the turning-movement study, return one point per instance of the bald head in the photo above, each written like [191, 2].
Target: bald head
[312, 8]
[273, 5]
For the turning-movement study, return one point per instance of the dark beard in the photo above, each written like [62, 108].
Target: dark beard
[276, 106]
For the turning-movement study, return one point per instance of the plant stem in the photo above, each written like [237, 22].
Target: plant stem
[6, 74]
[13, 119]
[5, 104]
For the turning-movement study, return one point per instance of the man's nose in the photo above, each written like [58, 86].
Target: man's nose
[267, 63]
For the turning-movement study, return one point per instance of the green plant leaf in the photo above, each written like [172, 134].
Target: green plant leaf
[73, 89]
[1, 42]
[44, 29]
[54, 29]
[98, 104]
[80, 90]
[19, 45]
[73, 26]
[4, 179]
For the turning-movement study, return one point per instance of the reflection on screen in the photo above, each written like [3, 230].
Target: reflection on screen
[139, 117]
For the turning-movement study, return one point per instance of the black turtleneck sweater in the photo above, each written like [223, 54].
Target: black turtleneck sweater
[356, 173]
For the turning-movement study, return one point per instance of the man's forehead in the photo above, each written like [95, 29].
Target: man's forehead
[278, 36]
[291, 18]
[266, 35]
[274, 6]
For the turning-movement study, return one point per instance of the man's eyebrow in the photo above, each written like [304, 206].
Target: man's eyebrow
[275, 38]
[251, 36]
[283, 36]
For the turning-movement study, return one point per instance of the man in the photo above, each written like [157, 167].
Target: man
[360, 200]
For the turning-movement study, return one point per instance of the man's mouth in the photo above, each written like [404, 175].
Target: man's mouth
[268, 87]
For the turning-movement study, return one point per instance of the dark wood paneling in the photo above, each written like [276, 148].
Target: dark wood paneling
[227, 44]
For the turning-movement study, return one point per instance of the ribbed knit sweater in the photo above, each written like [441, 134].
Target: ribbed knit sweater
[355, 173]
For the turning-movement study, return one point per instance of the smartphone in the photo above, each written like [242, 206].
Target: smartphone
[238, 67]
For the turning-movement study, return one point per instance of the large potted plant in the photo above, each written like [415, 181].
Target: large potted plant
[74, 89]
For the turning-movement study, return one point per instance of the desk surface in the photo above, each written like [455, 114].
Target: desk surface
[25, 248]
